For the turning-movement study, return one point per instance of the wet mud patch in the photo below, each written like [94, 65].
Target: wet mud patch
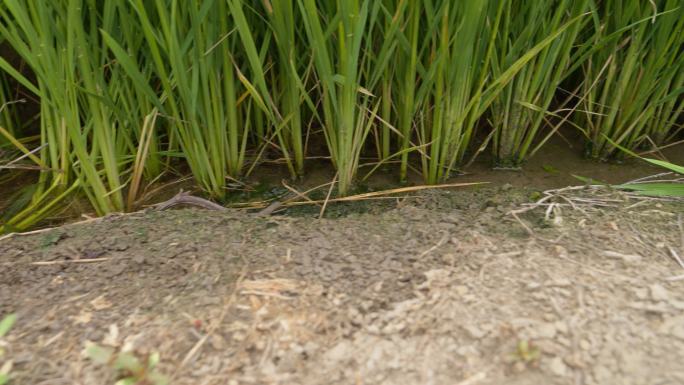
[446, 287]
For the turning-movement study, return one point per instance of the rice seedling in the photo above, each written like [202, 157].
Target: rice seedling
[89, 119]
[129, 368]
[632, 88]
[462, 51]
[389, 72]
[348, 111]
[287, 86]
[667, 120]
[55, 54]
[189, 52]
[287, 129]
[440, 54]
[522, 108]
[461, 88]
[408, 14]
[130, 90]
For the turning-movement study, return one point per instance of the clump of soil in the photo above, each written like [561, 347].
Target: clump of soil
[443, 288]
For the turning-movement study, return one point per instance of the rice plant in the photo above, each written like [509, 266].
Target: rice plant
[461, 54]
[632, 87]
[65, 63]
[462, 89]
[522, 108]
[189, 51]
[408, 14]
[130, 90]
[667, 121]
[288, 84]
[91, 118]
[287, 129]
[432, 93]
[336, 49]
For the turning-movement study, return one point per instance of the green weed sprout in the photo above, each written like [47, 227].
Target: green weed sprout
[5, 326]
[129, 368]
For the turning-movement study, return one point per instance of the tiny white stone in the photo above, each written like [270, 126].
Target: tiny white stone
[545, 330]
[659, 293]
[585, 345]
[558, 367]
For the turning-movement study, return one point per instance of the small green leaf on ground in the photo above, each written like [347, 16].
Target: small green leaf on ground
[588, 180]
[550, 169]
[6, 324]
[99, 354]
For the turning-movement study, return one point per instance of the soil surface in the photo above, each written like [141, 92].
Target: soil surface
[446, 287]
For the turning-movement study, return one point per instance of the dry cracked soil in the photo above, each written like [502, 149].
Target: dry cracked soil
[446, 287]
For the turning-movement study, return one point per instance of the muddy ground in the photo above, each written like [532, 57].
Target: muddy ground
[444, 287]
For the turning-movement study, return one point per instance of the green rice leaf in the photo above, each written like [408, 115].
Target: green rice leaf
[666, 165]
[655, 189]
